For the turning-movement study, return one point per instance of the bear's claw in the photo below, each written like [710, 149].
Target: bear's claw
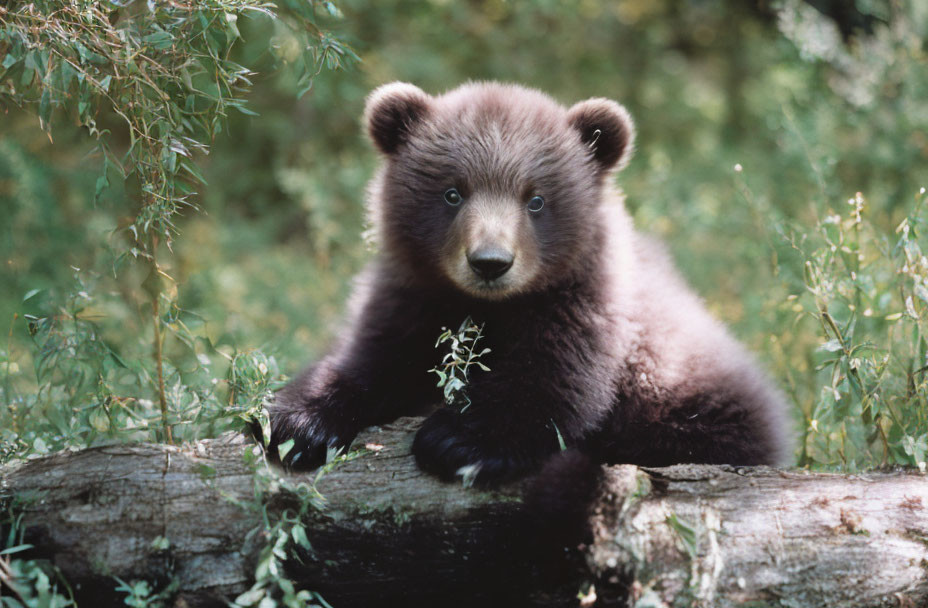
[314, 438]
[448, 448]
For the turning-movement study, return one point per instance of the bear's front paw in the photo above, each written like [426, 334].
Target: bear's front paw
[449, 445]
[317, 433]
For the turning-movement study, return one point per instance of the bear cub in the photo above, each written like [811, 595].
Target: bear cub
[495, 202]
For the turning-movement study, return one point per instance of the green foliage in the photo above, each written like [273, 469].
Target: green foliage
[26, 583]
[866, 293]
[687, 533]
[285, 532]
[30, 586]
[161, 73]
[88, 392]
[163, 68]
[139, 594]
[154, 84]
[845, 329]
[455, 365]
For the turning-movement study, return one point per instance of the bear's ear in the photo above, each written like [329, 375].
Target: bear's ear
[392, 111]
[606, 128]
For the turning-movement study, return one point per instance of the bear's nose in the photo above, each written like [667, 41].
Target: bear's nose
[490, 263]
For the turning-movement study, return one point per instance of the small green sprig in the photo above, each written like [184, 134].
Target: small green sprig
[455, 365]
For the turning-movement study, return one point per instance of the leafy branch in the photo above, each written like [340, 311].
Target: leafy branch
[158, 75]
[455, 365]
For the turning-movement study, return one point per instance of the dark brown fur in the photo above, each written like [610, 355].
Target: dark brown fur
[592, 333]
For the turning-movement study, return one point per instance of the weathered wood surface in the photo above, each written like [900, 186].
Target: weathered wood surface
[388, 533]
[764, 537]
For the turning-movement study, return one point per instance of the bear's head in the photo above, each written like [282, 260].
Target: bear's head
[492, 188]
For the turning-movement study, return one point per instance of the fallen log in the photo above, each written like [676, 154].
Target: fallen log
[387, 533]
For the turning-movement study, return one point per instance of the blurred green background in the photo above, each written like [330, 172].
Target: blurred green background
[757, 123]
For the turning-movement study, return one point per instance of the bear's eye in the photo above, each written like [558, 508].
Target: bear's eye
[536, 204]
[453, 197]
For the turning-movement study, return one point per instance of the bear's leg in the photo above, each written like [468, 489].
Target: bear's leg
[378, 372]
[320, 411]
[721, 428]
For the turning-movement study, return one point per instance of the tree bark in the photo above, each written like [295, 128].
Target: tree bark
[387, 533]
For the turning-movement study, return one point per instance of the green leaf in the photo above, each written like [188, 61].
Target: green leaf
[231, 19]
[831, 346]
[560, 438]
[87, 55]
[686, 533]
[64, 75]
[99, 420]
[45, 109]
[160, 544]
[244, 110]
[250, 597]
[299, 537]
[27, 77]
[268, 602]
[284, 448]
[102, 184]
[452, 386]
[160, 39]
[193, 171]
[169, 160]
[265, 421]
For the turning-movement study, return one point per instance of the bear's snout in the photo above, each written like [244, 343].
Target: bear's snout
[490, 262]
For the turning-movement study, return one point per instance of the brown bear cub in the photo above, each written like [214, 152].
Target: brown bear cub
[495, 202]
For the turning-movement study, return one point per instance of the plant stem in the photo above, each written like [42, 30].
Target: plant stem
[8, 390]
[159, 358]
[162, 400]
